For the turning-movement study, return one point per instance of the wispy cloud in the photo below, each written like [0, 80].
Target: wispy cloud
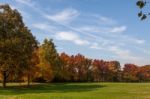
[131, 40]
[99, 32]
[103, 20]
[44, 26]
[96, 46]
[65, 16]
[106, 20]
[119, 29]
[100, 42]
[120, 53]
[26, 2]
[139, 41]
[71, 36]
[97, 29]
[125, 54]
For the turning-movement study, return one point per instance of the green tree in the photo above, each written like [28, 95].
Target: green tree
[16, 43]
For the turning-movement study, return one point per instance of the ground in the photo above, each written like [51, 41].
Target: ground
[77, 91]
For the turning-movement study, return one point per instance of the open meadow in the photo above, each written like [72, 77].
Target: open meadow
[77, 91]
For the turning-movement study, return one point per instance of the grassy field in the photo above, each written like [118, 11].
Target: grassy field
[77, 91]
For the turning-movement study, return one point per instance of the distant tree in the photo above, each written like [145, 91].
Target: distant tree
[64, 71]
[114, 71]
[49, 60]
[82, 66]
[100, 69]
[75, 67]
[130, 73]
[16, 43]
[88, 69]
[144, 73]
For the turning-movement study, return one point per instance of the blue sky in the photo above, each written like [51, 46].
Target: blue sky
[101, 29]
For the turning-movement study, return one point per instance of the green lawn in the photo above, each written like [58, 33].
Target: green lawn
[78, 91]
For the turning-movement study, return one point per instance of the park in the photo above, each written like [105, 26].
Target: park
[69, 52]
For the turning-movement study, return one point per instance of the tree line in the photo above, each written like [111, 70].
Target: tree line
[23, 59]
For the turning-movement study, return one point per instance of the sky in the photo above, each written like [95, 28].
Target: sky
[98, 29]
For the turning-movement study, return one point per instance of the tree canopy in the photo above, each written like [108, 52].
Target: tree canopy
[16, 42]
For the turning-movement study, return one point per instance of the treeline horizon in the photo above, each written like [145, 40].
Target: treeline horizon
[50, 66]
[23, 59]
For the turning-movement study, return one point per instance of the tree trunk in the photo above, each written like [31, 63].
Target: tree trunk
[4, 79]
[28, 80]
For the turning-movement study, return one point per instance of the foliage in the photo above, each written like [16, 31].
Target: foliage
[48, 60]
[141, 4]
[16, 43]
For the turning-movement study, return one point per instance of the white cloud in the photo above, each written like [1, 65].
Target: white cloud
[67, 36]
[68, 15]
[26, 2]
[132, 40]
[65, 16]
[103, 20]
[81, 42]
[139, 41]
[121, 54]
[45, 27]
[71, 36]
[95, 46]
[41, 26]
[124, 54]
[97, 29]
[91, 29]
[106, 20]
[119, 29]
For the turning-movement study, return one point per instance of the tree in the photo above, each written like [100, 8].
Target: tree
[32, 69]
[82, 66]
[64, 72]
[114, 70]
[49, 60]
[16, 43]
[100, 69]
[75, 67]
[144, 73]
[130, 73]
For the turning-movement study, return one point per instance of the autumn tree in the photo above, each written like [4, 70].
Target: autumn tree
[32, 70]
[88, 69]
[144, 73]
[64, 71]
[49, 60]
[16, 43]
[100, 70]
[82, 66]
[114, 71]
[130, 72]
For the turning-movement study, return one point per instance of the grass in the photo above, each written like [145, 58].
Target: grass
[77, 91]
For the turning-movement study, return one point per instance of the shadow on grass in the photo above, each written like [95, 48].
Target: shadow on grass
[50, 88]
